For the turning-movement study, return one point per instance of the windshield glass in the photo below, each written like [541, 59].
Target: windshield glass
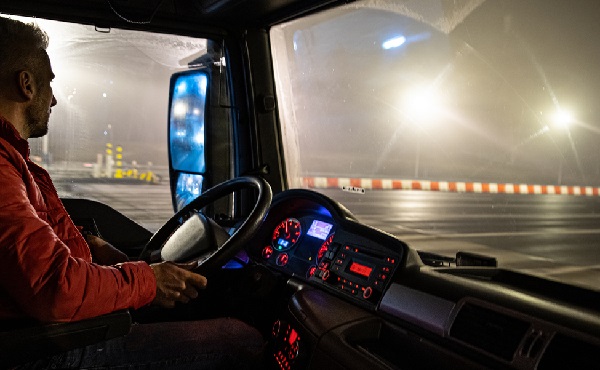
[455, 125]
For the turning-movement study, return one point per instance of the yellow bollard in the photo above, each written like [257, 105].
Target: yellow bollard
[119, 163]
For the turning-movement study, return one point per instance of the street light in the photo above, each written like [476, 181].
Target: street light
[563, 118]
[422, 105]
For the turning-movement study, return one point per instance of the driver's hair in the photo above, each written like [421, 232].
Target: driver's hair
[22, 47]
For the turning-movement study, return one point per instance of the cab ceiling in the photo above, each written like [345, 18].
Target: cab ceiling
[173, 14]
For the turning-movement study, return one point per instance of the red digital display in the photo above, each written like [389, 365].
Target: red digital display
[361, 269]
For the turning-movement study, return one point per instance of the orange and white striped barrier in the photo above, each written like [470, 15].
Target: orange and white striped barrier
[361, 184]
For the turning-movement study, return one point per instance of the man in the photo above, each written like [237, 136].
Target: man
[49, 272]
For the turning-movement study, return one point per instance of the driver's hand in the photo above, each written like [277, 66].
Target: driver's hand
[176, 283]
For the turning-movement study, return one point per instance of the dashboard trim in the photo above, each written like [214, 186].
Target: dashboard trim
[424, 310]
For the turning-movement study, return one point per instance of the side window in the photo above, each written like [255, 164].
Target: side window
[108, 137]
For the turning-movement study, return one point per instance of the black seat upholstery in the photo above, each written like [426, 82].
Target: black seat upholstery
[22, 342]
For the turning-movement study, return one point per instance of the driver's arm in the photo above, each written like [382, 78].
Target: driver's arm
[40, 277]
[104, 253]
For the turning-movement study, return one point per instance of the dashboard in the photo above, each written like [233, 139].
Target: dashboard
[316, 241]
[361, 298]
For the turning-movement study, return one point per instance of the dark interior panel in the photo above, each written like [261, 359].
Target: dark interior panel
[112, 226]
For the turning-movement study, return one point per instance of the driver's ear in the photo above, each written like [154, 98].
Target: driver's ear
[26, 85]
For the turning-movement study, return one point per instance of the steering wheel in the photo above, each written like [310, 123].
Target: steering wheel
[199, 238]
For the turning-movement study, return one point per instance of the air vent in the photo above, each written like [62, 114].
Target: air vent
[565, 353]
[533, 344]
[488, 330]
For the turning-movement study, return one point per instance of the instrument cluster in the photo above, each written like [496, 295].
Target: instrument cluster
[314, 248]
[298, 244]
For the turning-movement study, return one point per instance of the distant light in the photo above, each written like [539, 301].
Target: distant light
[180, 109]
[104, 95]
[563, 118]
[423, 103]
[199, 138]
[393, 42]
[196, 112]
[181, 87]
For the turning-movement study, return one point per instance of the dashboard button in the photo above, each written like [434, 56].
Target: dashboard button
[282, 259]
[367, 292]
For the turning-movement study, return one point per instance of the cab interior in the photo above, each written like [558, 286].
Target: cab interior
[371, 300]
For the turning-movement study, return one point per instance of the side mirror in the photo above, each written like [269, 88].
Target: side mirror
[188, 107]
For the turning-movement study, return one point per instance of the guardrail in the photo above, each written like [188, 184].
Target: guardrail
[361, 184]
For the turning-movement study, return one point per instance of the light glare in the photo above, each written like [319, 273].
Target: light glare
[563, 118]
[394, 42]
[180, 109]
[423, 103]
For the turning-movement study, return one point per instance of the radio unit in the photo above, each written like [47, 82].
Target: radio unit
[357, 271]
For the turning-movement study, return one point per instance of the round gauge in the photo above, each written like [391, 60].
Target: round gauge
[324, 247]
[286, 234]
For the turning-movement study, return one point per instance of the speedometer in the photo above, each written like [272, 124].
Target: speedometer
[286, 234]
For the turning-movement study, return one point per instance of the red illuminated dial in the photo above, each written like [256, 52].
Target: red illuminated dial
[282, 259]
[286, 234]
[267, 252]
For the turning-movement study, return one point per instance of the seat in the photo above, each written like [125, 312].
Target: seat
[21, 342]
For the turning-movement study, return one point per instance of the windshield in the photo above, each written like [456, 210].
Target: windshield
[455, 125]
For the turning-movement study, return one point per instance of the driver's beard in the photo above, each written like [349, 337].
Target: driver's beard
[36, 120]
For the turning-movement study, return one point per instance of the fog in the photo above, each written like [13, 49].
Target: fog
[112, 86]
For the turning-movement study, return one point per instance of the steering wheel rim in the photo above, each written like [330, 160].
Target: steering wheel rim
[238, 239]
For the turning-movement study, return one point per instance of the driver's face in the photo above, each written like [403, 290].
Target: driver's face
[38, 113]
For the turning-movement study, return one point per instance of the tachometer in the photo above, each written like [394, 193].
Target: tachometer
[286, 234]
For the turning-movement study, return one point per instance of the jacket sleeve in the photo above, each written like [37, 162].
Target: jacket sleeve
[39, 273]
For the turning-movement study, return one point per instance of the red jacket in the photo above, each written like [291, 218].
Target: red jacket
[46, 269]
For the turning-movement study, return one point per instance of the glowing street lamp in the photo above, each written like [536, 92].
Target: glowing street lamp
[423, 104]
[563, 118]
